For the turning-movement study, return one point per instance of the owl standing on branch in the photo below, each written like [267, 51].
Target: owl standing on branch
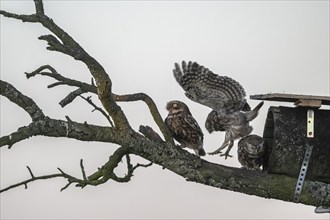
[231, 113]
[184, 127]
[250, 151]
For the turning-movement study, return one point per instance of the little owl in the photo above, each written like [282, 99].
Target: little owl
[251, 152]
[184, 127]
[231, 113]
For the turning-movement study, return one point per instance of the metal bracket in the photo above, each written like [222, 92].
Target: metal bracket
[308, 153]
[310, 123]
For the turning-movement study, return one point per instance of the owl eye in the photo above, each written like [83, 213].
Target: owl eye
[175, 105]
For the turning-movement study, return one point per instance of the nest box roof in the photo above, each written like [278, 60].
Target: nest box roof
[298, 100]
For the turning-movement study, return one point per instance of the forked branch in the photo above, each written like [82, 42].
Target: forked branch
[64, 43]
[84, 88]
[101, 176]
[150, 146]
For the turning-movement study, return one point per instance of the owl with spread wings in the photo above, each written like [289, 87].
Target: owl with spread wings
[225, 96]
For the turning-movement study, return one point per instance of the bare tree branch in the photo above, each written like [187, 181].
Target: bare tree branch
[150, 146]
[39, 7]
[70, 97]
[32, 179]
[70, 47]
[64, 80]
[83, 170]
[45, 126]
[25, 18]
[153, 110]
[26, 103]
[30, 171]
[59, 128]
[99, 177]
[149, 133]
[55, 45]
[89, 100]
[84, 87]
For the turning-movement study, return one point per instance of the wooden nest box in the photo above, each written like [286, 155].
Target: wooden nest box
[294, 133]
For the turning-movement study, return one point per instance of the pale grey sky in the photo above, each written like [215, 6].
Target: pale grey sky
[268, 46]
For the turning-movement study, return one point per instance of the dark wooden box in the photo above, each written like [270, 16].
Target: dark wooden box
[285, 133]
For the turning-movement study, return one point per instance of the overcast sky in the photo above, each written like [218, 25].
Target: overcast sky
[268, 46]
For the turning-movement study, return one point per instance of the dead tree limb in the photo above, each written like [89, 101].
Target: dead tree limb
[150, 147]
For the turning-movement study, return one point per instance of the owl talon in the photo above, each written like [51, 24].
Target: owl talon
[226, 155]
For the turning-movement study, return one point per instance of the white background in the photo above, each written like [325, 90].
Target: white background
[268, 46]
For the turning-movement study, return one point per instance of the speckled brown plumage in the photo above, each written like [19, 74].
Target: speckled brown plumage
[231, 113]
[250, 151]
[184, 127]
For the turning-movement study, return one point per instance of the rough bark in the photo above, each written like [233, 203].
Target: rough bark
[150, 145]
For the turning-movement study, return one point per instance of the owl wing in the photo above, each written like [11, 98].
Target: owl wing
[179, 136]
[192, 123]
[203, 86]
[187, 131]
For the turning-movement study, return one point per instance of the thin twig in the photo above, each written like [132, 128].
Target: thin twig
[30, 180]
[142, 165]
[83, 170]
[89, 100]
[30, 171]
[66, 186]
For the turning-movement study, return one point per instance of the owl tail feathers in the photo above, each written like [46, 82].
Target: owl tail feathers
[254, 113]
[200, 152]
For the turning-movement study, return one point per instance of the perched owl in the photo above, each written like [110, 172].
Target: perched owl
[184, 127]
[251, 152]
[231, 113]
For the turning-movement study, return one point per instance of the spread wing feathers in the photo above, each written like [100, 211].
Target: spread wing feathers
[203, 86]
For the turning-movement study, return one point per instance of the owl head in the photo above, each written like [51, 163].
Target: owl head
[175, 106]
[213, 122]
[255, 151]
[253, 145]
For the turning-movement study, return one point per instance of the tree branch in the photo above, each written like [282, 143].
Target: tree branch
[64, 80]
[250, 182]
[45, 126]
[39, 7]
[84, 87]
[59, 128]
[32, 179]
[89, 100]
[99, 177]
[70, 47]
[150, 146]
[26, 103]
[24, 18]
[149, 133]
[153, 110]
